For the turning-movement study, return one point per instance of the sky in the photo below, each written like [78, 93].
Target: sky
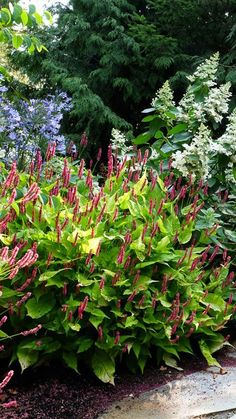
[41, 4]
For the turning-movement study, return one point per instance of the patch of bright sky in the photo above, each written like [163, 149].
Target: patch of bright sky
[41, 4]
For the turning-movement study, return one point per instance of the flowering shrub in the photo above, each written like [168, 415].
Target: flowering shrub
[189, 131]
[26, 126]
[188, 134]
[103, 274]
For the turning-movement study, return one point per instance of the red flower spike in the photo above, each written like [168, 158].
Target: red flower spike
[120, 257]
[141, 301]
[161, 206]
[3, 321]
[102, 283]
[100, 333]
[190, 332]
[70, 316]
[136, 278]
[117, 338]
[164, 284]
[131, 297]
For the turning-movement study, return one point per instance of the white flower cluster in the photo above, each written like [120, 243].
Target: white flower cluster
[194, 159]
[229, 174]
[216, 104]
[206, 72]
[213, 104]
[119, 144]
[226, 144]
[164, 100]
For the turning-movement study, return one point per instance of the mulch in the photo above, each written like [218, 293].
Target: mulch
[56, 392]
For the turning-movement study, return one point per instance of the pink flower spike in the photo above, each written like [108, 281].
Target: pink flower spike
[3, 320]
[9, 405]
[31, 331]
[6, 379]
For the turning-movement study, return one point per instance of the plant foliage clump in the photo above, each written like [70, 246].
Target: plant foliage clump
[101, 274]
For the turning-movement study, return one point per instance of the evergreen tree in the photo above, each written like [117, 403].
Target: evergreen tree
[112, 55]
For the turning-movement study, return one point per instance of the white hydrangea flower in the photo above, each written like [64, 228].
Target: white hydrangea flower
[119, 144]
[229, 175]
[164, 99]
[206, 71]
[195, 157]
[226, 144]
[216, 104]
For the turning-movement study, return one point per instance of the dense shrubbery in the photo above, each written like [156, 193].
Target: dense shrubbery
[105, 273]
[199, 135]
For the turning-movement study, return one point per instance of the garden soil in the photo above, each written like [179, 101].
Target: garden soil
[55, 392]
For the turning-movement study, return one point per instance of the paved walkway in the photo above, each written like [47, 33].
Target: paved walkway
[205, 394]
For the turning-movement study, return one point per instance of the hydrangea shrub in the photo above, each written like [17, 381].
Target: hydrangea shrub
[188, 132]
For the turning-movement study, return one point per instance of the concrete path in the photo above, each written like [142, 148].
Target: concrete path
[206, 394]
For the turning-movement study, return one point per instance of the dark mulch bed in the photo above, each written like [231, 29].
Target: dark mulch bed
[57, 392]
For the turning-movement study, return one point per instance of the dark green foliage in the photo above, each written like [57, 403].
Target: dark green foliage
[113, 55]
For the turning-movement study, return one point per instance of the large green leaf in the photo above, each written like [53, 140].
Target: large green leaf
[171, 361]
[85, 344]
[206, 352]
[50, 274]
[70, 359]
[103, 366]
[216, 302]
[44, 305]
[27, 358]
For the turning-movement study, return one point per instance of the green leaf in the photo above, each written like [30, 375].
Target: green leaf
[136, 348]
[76, 327]
[26, 358]
[91, 245]
[186, 234]
[24, 17]
[142, 138]
[5, 16]
[50, 274]
[131, 321]
[142, 362]
[138, 245]
[17, 41]
[207, 354]
[38, 18]
[48, 15]
[171, 361]
[216, 302]
[85, 344]
[3, 335]
[231, 235]
[44, 305]
[95, 321]
[162, 244]
[71, 360]
[178, 128]
[103, 366]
